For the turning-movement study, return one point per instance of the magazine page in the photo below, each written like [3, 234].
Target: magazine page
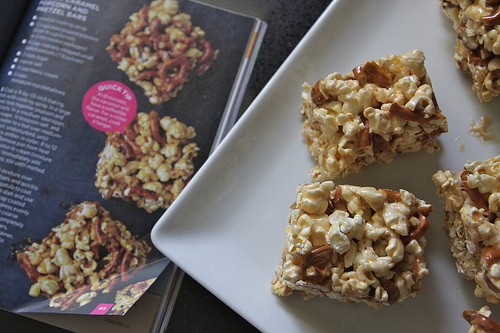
[107, 109]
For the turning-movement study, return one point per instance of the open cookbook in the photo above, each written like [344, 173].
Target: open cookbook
[107, 109]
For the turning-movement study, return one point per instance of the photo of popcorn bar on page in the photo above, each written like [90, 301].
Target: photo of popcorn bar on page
[125, 298]
[88, 254]
[160, 50]
[149, 164]
[477, 50]
[354, 244]
[381, 109]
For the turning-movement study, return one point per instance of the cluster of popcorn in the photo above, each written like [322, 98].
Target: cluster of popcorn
[354, 244]
[87, 248]
[149, 164]
[472, 207]
[160, 50]
[379, 110]
[477, 50]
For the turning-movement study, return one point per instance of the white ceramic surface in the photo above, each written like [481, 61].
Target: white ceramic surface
[227, 228]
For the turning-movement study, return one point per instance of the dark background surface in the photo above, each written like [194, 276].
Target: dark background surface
[196, 309]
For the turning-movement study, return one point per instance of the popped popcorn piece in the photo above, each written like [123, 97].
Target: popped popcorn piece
[472, 208]
[160, 50]
[381, 109]
[480, 321]
[477, 50]
[86, 248]
[150, 163]
[354, 244]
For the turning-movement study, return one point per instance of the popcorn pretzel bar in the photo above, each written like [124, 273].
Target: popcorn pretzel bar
[86, 248]
[379, 110]
[477, 50]
[150, 163]
[472, 211]
[160, 50]
[354, 244]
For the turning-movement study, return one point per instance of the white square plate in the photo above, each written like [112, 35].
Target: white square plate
[227, 228]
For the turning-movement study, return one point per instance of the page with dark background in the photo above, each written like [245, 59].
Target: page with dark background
[57, 83]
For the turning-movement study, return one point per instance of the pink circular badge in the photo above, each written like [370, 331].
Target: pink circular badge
[109, 106]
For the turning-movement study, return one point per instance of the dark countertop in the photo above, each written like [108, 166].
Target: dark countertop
[196, 309]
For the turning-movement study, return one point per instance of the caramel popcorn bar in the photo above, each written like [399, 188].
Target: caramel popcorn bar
[477, 50]
[480, 321]
[150, 163]
[86, 248]
[472, 208]
[160, 50]
[379, 110]
[354, 244]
